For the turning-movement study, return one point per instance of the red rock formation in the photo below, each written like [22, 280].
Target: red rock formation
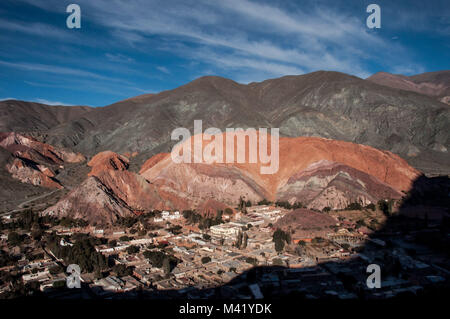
[344, 172]
[107, 161]
[227, 182]
[34, 161]
[152, 161]
[29, 148]
[29, 172]
[329, 184]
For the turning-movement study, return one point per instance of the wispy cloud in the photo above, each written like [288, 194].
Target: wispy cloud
[39, 100]
[120, 58]
[246, 40]
[163, 69]
[270, 37]
[39, 29]
[48, 102]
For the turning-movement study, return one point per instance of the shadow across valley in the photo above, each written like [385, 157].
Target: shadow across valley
[412, 249]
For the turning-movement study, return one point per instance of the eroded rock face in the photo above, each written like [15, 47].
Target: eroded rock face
[330, 184]
[152, 161]
[35, 162]
[317, 171]
[109, 192]
[29, 148]
[92, 201]
[107, 161]
[29, 172]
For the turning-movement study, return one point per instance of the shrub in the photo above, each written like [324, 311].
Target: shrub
[354, 206]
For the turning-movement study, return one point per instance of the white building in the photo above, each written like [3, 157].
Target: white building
[165, 215]
[225, 230]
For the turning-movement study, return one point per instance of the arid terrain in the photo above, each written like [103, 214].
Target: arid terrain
[354, 154]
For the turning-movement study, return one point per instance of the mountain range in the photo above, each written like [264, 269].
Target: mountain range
[323, 104]
[343, 140]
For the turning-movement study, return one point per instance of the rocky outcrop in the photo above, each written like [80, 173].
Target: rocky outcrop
[27, 147]
[152, 161]
[107, 161]
[330, 184]
[35, 162]
[317, 171]
[91, 201]
[109, 192]
[29, 172]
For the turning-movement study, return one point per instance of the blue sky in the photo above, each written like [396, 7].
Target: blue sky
[127, 48]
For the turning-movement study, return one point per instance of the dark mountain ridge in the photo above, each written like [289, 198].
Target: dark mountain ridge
[325, 104]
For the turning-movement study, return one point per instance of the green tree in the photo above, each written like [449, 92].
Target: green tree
[280, 238]
[14, 239]
[132, 249]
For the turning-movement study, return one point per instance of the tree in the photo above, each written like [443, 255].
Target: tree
[112, 243]
[239, 240]
[354, 206]
[121, 270]
[56, 270]
[277, 262]
[166, 265]
[385, 206]
[317, 240]
[132, 249]
[252, 261]
[280, 238]
[297, 205]
[264, 202]
[14, 239]
[59, 284]
[244, 244]
[124, 238]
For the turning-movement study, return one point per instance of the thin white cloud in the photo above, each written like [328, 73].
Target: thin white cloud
[39, 100]
[263, 39]
[119, 58]
[65, 71]
[39, 29]
[48, 102]
[163, 69]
